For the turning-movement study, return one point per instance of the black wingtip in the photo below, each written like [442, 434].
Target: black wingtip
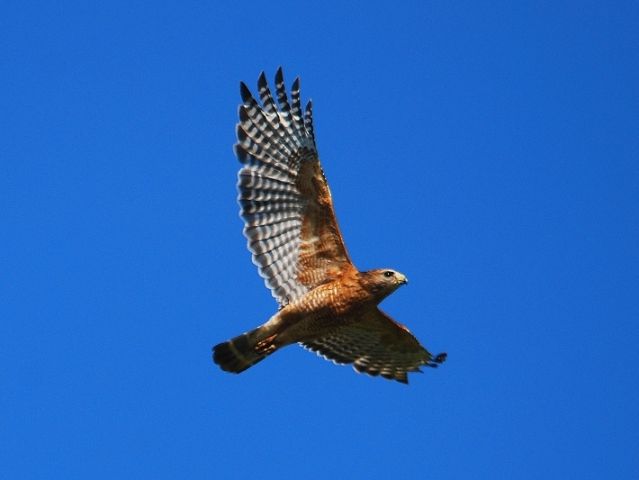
[261, 80]
[242, 155]
[279, 75]
[296, 84]
[241, 134]
[245, 93]
[440, 358]
[243, 114]
[437, 360]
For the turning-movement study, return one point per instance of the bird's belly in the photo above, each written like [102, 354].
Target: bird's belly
[311, 327]
[319, 312]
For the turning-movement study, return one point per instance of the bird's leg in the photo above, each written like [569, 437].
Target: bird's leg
[266, 346]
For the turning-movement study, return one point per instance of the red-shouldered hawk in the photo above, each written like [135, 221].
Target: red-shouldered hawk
[326, 304]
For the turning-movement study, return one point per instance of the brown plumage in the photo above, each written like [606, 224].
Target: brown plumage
[326, 304]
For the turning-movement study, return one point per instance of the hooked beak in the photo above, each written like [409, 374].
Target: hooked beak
[403, 280]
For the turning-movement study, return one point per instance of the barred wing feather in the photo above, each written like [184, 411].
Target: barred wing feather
[285, 201]
[377, 345]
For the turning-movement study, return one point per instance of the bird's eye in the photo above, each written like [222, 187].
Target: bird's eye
[388, 273]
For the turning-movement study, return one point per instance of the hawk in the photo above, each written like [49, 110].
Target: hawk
[326, 304]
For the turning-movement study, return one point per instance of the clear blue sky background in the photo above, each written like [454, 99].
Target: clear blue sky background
[489, 150]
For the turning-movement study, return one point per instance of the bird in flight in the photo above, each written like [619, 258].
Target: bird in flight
[325, 303]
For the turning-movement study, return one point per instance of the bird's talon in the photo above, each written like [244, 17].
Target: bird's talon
[266, 345]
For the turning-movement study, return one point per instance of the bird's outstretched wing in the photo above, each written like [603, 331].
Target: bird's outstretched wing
[285, 201]
[377, 345]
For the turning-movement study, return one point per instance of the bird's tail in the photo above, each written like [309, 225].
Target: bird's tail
[244, 351]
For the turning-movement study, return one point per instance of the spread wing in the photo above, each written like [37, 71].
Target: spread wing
[376, 345]
[285, 201]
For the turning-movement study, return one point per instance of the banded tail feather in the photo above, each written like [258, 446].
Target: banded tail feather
[243, 351]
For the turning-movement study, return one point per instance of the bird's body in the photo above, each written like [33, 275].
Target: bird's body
[326, 304]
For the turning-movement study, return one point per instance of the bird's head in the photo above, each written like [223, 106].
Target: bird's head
[382, 282]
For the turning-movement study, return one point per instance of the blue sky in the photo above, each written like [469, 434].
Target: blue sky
[488, 150]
